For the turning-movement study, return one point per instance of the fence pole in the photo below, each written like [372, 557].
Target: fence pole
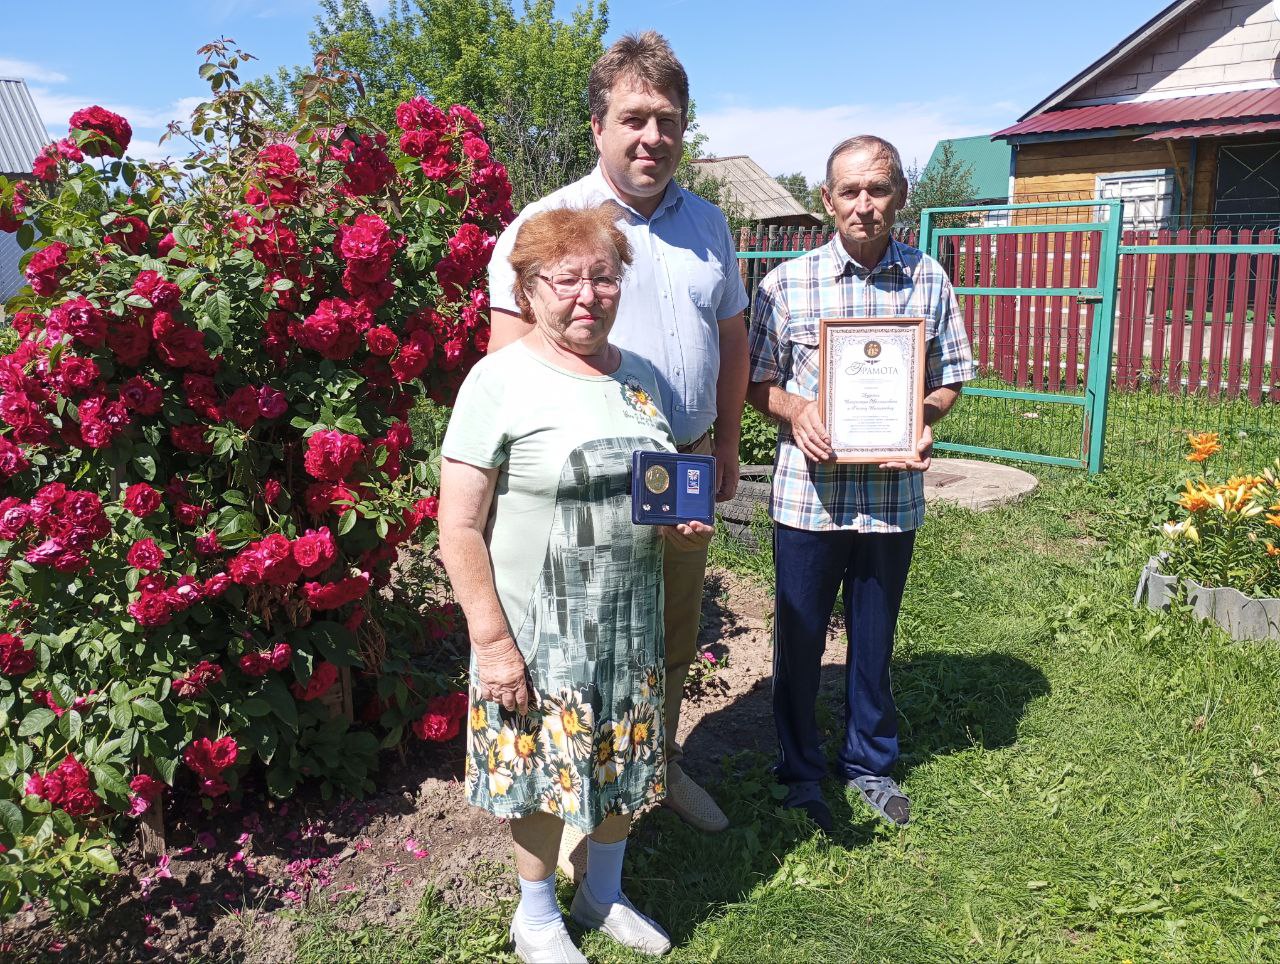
[1099, 382]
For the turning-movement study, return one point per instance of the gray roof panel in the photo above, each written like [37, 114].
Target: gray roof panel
[22, 133]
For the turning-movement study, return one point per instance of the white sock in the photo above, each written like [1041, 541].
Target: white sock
[604, 870]
[538, 907]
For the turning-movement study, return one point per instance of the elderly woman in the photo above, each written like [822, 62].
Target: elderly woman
[562, 594]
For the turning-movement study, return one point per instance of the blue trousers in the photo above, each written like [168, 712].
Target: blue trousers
[810, 568]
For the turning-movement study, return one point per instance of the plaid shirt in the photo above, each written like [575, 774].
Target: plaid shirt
[827, 283]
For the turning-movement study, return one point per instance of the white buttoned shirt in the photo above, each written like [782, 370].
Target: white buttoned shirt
[683, 281]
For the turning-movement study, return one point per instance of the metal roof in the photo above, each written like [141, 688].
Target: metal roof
[1213, 130]
[760, 195]
[22, 133]
[1237, 105]
[990, 161]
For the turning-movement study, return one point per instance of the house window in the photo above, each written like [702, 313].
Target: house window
[1148, 196]
[1248, 185]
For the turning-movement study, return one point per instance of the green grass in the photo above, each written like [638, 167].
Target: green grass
[1091, 781]
[1144, 429]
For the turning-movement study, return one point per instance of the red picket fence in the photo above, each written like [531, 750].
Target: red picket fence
[1184, 323]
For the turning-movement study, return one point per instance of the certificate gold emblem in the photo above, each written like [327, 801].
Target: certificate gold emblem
[872, 349]
[657, 480]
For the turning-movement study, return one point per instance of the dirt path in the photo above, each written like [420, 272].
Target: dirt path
[222, 891]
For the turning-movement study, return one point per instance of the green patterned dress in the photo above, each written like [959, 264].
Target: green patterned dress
[580, 585]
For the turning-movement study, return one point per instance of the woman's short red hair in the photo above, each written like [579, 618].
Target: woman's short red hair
[551, 236]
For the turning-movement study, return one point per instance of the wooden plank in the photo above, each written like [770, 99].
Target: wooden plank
[1090, 310]
[1218, 323]
[1138, 313]
[968, 263]
[1057, 316]
[1199, 307]
[1124, 314]
[1178, 328]
[1006, 277]
[1159, 309]
[1039, 321]
[1239, 308]
[1261, 308]
[1026, 268]
[984, 302]
[1078, 244]
[1273, 383]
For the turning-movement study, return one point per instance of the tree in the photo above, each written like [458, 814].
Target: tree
[525, 75]
[809, 195]
[948, 183]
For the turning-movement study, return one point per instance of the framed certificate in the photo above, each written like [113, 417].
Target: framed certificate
[871, 387]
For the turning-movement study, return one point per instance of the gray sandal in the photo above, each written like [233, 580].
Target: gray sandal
[885, 797]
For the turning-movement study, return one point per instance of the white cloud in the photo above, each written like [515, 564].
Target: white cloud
[787, 139]
[56, 108]
[29, 71]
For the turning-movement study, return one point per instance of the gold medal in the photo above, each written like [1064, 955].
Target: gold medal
[656, 479]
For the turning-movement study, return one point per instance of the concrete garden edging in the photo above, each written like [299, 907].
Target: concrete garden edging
[1242, 617]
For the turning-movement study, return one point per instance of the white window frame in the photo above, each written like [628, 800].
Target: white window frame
[1142, 210]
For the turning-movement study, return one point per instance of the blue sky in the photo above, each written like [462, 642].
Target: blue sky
[780, 81]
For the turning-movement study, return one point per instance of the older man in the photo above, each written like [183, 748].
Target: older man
[682, 309]
[839, 524]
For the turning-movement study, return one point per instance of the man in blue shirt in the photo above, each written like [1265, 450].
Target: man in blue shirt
[839, 523]
[681, 308]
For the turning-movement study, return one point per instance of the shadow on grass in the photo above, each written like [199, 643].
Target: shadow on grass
[947, 703]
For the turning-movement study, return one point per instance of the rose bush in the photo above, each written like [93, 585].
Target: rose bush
[206, 469]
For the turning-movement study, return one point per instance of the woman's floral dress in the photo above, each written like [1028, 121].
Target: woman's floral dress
[581, 587]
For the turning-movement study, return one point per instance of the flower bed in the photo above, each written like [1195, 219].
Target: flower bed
[1222, 550]
[206, 468]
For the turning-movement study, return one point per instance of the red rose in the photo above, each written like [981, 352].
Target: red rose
[281, 655]
[131, 343]
[165, 245]
[109, 133]
[315, 551]
[47, 268]
[189, 514]
[322, 498]
[215, 585]
[209, 758]
[334, 329]
[151, 609]
[331, 455]
[141, 499]
[443, 719]
[190, 438]
[162, 294]
[242, 406]
[66, 786]
[255, 664]
[271, 492]
[198, 679]
[14, 516]
[15, 660]
[322, 678]
[382, 341]
[334, 595]
[146, 555]
[12, 459]
[272, 402]
[75, 375]
[130, 234]
[147, 787]
[208, 545]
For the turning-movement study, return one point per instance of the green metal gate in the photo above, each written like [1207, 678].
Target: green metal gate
[1101, 293]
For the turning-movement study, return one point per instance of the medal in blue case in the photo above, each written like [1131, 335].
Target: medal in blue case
[668, 487]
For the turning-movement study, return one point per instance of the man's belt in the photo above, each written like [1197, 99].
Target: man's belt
[696, 443]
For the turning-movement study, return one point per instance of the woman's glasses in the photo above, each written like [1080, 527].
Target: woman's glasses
[568, 285]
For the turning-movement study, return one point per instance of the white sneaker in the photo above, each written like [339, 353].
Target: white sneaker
[621, 921]
[544, 945]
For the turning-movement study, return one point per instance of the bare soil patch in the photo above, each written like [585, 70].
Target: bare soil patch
[237, 881]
